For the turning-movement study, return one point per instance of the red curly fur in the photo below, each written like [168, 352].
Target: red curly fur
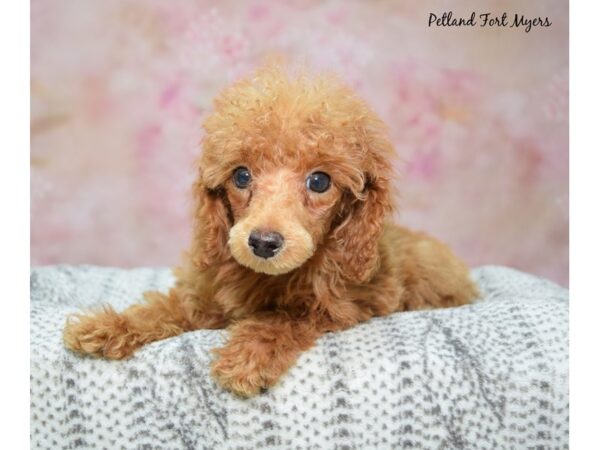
[341, 264]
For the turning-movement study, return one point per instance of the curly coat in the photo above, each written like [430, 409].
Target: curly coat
[340, 264]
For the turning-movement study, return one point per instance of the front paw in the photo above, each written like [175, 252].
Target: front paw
[105, 334]
[240, 371]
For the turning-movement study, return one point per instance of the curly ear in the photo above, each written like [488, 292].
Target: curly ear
[358, 235]
[213, 219]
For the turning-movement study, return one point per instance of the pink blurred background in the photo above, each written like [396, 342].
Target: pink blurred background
[119, 88]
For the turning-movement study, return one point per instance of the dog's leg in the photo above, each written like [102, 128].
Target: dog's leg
[116, 336]
[260, 350]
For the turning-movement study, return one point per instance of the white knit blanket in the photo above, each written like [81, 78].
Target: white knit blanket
[489, 375]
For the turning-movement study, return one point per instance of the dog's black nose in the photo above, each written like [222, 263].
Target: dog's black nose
[265, 243]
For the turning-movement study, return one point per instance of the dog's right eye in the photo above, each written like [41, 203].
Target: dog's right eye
[318, 182]
[242, 177]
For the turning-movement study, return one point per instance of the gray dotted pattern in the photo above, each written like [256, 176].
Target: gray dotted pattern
[491, 375]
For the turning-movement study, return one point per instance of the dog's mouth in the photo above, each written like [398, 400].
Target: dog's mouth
[268, 251]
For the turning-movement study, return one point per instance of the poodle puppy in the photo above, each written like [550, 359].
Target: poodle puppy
[290, 236]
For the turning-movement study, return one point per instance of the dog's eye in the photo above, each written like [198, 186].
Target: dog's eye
[242, 177]
[318, 182]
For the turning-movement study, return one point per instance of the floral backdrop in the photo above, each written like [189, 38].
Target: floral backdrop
[479, 117]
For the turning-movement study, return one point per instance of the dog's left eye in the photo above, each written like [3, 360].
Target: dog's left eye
[242, 177]
[318, 182]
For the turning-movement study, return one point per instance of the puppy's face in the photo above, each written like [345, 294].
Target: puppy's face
[288, 163]
[280, 214]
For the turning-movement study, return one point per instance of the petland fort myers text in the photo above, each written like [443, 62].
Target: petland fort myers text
[489, 20]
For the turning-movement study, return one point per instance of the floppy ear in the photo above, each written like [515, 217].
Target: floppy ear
[358, 235]
[212, 217]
